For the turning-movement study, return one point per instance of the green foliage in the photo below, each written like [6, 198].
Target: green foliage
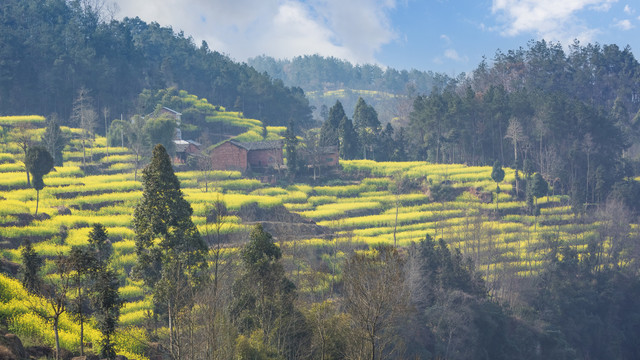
[107, 303]
[164, 213]
[329, 133]
[348, 139]
[367, 126]
[30, 269]
[54, 139]
[587, 305]
[161, 130]
[263, 297]
[497, 173]
[539, 186]
[38, 162]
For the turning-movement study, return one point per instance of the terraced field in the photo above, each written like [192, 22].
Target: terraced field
[363, 211]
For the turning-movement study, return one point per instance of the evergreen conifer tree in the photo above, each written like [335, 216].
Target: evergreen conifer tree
[348, 139]
[329, 131]
[31, 264]
[170, 251]
[165, 215]
[367, 125]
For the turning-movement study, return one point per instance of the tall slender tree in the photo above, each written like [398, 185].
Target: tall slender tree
[170, 251]
[54, 139]
[367, 125]
[329, 135]
[291, 147]
[30, 270]
[39, 163]
[85, 116]
[497, 174]
[515, 132]
[348, 139]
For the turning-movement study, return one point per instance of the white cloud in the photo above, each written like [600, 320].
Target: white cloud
[628, 9]
[549, 19]
[354, 30]
[445, 38]
[452, 54]
[624, 24]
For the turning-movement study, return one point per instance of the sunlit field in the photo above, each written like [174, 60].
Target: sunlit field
[359, 213]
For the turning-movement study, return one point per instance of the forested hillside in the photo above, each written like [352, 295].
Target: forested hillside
[571, 115]
[50, 49]
[318, 73]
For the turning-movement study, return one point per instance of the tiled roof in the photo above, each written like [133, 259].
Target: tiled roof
[171, 111]
[259, 145]
[181, 145]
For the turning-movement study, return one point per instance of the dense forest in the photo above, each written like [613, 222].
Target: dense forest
[51, 49]
[573, 117]
[317, 73]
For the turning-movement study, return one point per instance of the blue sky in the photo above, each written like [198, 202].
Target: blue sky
[438, 35]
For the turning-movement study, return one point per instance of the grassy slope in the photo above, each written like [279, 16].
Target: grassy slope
[362, 212]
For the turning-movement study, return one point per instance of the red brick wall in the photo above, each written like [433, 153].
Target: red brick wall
[330, 159]
[264, 158]
[229, 157]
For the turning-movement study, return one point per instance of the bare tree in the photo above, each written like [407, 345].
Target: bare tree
[515, 132]
[105, 113]
[588, 146]
[138, 141]
[616, 233]
[374, 297]
[84, 115]
[313, 151]
[56, 296]
[24, 136]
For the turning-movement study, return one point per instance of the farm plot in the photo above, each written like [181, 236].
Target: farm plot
[359, 214]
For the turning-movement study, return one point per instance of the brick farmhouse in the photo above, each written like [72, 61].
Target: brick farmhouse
[256, 156]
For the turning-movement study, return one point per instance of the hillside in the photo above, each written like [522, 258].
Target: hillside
[52, 49]
[370, 206]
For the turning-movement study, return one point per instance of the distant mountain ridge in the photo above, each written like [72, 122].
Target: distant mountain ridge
[327, 79]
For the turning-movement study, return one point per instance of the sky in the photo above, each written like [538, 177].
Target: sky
[446, 36]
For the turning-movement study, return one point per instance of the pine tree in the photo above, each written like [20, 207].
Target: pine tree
[170, 251]
[329, 131]
[164, 214]
[264, 298]
[107, 303]
[31, 264]
[367, 125]
[348, 139]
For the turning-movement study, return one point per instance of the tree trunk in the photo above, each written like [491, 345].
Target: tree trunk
[81, 336]
[170, 329]
[57, 338]
[37, 201]
[84, 151]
